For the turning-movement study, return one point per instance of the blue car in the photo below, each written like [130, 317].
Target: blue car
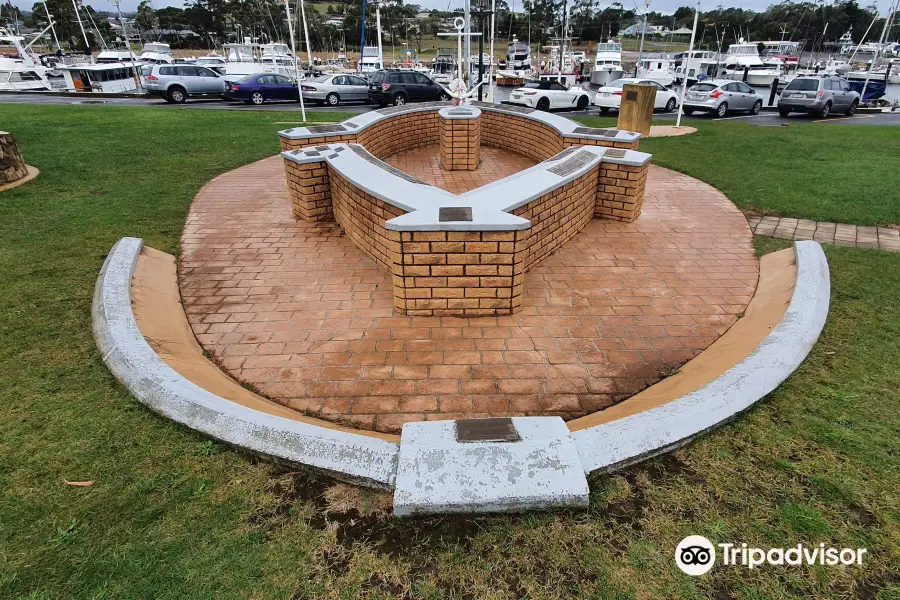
[262, 87]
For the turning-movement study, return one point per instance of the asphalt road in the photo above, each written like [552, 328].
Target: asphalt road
[770, 119]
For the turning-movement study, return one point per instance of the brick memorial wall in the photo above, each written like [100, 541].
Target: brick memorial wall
[461, 273]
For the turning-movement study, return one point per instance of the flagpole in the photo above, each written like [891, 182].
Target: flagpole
[287, 9]
[687, 63]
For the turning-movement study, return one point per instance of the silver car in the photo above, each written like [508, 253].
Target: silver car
[718, 96]
[334, 89]
[818, 95]
[176, 83]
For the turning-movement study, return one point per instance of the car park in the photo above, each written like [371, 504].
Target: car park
[399, 86]
[262, 87]
[545, 95]
[177, 83]
[720, 96]
[818, 95]
[609, 97]
[335, 89]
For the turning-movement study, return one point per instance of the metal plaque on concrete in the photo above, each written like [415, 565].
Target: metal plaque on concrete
[454, 213]
[486, 430]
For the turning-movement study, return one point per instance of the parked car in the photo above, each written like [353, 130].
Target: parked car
[818, 95]
[177, 83]
[334, 89]
[399, 86]
[262, 87]
[610, 96]
[718, 96]
[544, 95]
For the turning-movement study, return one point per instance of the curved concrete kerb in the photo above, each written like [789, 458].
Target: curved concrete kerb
[519, 463]
[154, 383]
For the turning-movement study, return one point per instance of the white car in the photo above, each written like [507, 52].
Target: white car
[544, 95]
[610, 96]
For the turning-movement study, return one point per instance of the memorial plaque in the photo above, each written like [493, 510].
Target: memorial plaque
[615, 153]
[573, 164]
[631, 96]
[321, 148]
[454, 213]
[499, 429]
[596, 131]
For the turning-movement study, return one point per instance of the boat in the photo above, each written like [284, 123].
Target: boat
[607, 63]
[370, 61]
[444, 65]
[248, 58]
[743, 58]
[22, 74]
[120, 52]
[874, 91]
[156, 53]
[106, 77]
[213, 61]
[518, 59]
[473, 66]
[565, 72]
[660, 70]
[695, 65]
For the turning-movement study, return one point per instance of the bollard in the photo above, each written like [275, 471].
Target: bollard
[773, 92]
[746, 72]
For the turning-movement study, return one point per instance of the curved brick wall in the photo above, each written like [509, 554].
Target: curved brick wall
[521, 135]
[401, 133]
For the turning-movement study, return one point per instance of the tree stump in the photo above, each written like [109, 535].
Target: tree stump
[12, 166]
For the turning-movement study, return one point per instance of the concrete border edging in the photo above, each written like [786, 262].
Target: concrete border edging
[155, 384]
[618, 444]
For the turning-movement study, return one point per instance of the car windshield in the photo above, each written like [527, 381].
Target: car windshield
[704, 87]
[532, 85]
[618, 83]
[803, 85]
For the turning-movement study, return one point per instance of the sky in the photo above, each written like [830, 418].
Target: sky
[663, 6]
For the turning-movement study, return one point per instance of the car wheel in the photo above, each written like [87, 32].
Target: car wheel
[722, 110]
[688, 111]
[543, 103]
[176, 95]
[332, 99]
[852, 110]
[756, 108]
[444, 97]
[826, 110]
[257, 98]
[783, 112]
[670, 105]
[604, 110]
[583, 102]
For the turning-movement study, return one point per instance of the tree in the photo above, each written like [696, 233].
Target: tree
[144, 16]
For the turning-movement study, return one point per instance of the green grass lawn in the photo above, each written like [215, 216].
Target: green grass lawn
[174, 515]
[841, 173]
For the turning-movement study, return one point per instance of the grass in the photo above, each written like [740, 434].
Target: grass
[824, 172]
[174, 515]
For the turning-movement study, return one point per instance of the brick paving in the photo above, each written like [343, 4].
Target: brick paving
[425, 165]
[840, 234]
[296, 310]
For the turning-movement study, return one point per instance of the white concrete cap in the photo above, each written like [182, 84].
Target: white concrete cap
[437, 474]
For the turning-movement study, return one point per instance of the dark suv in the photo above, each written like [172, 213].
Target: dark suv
[397, 87]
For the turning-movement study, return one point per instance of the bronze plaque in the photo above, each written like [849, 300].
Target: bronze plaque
[631, 96]
[454, 213]
[614, 153]
[498, 429]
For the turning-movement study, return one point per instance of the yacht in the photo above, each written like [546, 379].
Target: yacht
[660, 70]
[698, 63]
[878, 73]
[248, 58]
[444, 65]
[846, 42]
[568, 75]
[518, 58]
[473, 65]
[745, 57]
[23, 74]
[106, 77]
[213, 61]
[370, 61]
[607, 63]
[156, 53]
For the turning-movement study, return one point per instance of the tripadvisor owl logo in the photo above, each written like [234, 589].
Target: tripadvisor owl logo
[695, 555]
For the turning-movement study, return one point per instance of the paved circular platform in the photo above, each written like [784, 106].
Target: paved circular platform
[297, 311]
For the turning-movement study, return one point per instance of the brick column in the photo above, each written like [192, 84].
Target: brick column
[310, 190]
[460, 138]
[620, 187]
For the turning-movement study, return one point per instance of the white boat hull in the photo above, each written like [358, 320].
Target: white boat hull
[603, 76]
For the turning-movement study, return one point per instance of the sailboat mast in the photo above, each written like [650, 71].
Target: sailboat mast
[87, 44]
